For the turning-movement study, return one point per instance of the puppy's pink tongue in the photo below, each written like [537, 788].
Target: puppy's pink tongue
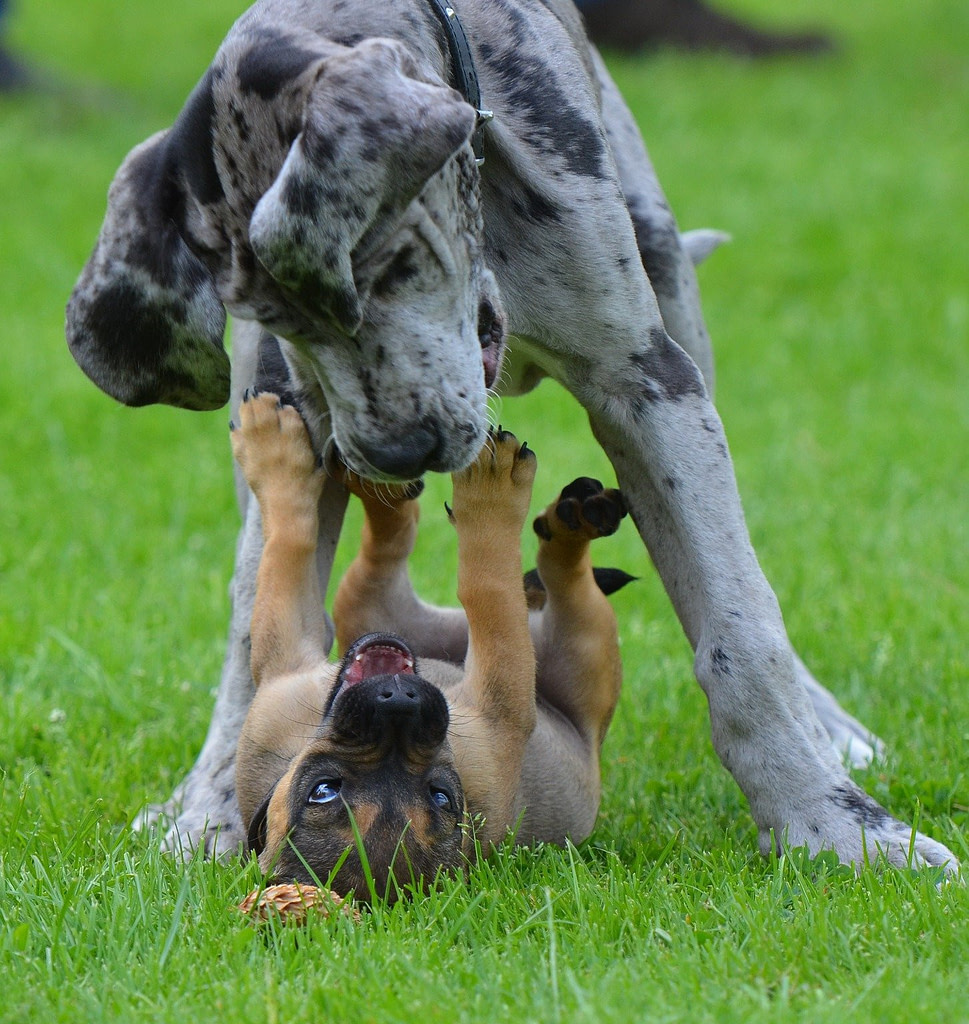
[378, 661]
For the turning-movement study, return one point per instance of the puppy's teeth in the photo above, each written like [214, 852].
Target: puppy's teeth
[359, 657]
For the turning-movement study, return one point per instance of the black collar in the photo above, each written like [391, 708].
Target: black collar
[465, 73]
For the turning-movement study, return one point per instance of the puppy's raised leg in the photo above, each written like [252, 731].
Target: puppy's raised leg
[376, 593]
[577, 647]
[288, 620]
[494, 706]
[289, 637]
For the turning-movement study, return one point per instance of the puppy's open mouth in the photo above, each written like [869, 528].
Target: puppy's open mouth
[375, 654]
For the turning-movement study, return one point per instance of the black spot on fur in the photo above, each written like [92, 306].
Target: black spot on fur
[271, 64]
[403, 268]
[302, 196]
[860, 805]
[553, 123]
[659, 250]
[162, 253]
[135, 341]
[321, 147]
[129, 332]
[720, 661]
[532, 206]
[190, 143]
[667, 372]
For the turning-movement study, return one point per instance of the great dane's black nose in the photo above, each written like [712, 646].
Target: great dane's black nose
[408, 456]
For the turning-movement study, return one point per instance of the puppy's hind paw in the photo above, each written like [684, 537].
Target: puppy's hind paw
[584, 508]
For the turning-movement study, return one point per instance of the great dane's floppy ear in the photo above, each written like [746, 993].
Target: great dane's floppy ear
[373, 133]
[144, 321]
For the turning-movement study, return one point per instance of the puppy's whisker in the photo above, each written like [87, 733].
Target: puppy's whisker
[315, 709]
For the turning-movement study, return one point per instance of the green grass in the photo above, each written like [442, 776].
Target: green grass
[840, 315]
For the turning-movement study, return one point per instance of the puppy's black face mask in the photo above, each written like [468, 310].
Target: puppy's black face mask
[380, 774]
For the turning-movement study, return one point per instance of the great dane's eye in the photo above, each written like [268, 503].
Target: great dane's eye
[324, 791]
[442, 798]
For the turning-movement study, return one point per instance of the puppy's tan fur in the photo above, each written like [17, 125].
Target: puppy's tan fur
[525, 733]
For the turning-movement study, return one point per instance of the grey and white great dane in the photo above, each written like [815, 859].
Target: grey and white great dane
[320, 185]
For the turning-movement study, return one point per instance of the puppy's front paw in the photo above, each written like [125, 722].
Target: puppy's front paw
[273, 449]
[498, 484]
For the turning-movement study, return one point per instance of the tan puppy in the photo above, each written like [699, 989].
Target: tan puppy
[397, 758]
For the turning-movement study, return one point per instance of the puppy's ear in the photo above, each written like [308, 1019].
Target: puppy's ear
[144, 321]
[374, 133]
[259, 827]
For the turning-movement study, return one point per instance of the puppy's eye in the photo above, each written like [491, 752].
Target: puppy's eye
[442, 798]
[324, 791]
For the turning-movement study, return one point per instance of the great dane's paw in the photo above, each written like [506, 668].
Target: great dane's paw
[187, 823]
[584, 509]
[273, 449]
[497, 485]
[861, 832]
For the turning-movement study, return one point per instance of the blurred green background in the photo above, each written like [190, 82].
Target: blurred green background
[840, 318]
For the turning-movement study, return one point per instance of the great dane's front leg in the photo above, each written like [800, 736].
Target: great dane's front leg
[203, 810]
[673, 279]
[652, 415]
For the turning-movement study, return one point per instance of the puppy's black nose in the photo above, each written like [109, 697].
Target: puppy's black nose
[397, 696]
[408, 456]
